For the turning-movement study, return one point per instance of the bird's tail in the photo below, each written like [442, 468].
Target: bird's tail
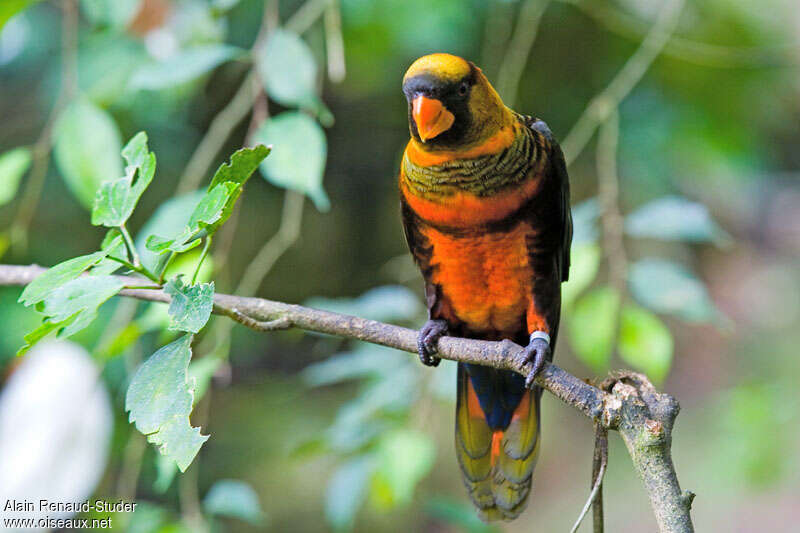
[497, 439]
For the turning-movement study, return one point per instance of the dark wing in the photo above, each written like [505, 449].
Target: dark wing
[558, 168]
[421, 251]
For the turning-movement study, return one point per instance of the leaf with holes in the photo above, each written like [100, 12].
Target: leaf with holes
[72, 306]
[191, 305]
[38, 289]
[159, 400]
[116, 199]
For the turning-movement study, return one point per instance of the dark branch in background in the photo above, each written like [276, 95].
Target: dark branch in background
[627, 402]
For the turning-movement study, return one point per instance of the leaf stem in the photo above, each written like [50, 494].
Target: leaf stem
[129, 243]
[206, 246]
[164, 268]
[140, 269]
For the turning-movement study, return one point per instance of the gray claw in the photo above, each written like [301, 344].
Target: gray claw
[428, 338]
[536, 352]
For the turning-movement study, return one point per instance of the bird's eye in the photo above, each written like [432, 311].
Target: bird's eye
[463, 88]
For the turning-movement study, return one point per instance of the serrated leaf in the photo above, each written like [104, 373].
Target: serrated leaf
[13, 165]
[645, 342]
[584, 263]
[233, 498]
[191, 305]
[56, 276]
[299, 153]
[116, 199]
[404, 457]
[72, 306]
[183, 67]
[159, 400]
[170, 218]
[668, 287]
[592, 325]
[389, 303]
[347, 490]
[216, 206]
[289, 73]
[674, 218]
[86, 150]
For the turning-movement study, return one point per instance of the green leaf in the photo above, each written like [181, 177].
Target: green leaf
[114, 246]
[298, 158]
[13, 165]
[159, 400]
[289, 73]
[9, 8]
[83, 295]
[584, 262]
[38, 289]
[347, 491]
[404, 458]
[113, 13]
[170, 218]
[87, 147]
[645, 343]
[390, 303]
[72, 306]
[216, 206]
[668, 287]
[184, 67]
[592, 324]
[674, 218]
[191, 305]
[115, 200]
[234, 498]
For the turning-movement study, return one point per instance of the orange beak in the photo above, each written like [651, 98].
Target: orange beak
[431, 116]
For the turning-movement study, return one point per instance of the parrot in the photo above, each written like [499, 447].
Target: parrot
[484, 197]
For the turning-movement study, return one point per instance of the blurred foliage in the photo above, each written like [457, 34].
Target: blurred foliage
[314, 429]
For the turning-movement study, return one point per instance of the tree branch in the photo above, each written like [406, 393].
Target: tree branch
[626, 402]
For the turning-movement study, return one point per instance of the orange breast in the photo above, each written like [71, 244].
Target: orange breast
[486, 279]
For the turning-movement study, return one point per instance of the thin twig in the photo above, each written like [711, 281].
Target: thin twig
[519, 48]
[599, 462]
[602, 105]
[334, 42]
[599, 466]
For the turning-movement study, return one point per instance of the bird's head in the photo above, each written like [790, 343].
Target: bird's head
[451, 104]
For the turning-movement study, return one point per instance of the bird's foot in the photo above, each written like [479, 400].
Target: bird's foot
[537, 352]
[426, 341]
